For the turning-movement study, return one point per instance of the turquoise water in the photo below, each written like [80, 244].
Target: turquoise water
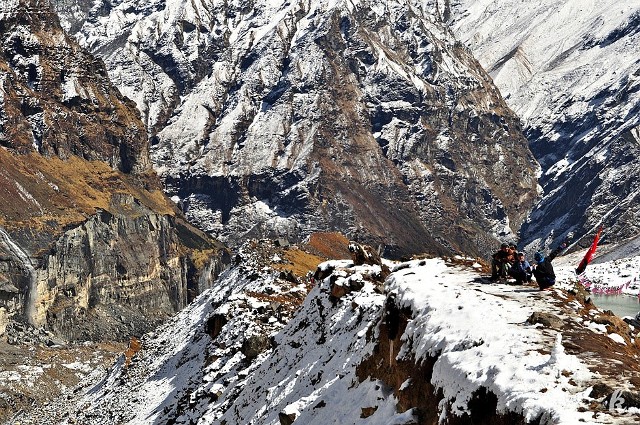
[621, 305]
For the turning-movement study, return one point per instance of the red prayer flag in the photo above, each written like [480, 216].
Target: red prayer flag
[589, 255]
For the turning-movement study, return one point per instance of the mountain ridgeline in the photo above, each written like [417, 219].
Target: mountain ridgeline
[139, 139]
[278, 119]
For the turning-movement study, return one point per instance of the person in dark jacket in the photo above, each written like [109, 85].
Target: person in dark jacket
[543, 271]
[500, 262]
[521, 269]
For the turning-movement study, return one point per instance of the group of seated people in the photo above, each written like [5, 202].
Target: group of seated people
[509, 262]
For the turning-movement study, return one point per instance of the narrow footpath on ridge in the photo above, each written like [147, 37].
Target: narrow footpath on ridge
[600, 339]
[590, 356]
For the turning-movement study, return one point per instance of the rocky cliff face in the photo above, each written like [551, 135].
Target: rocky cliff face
[280, 118]
[57, 99]
[87, 253]
[570, 71]
[89, 246]
[117, 275]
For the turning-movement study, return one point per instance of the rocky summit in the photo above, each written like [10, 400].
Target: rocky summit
[283, 118]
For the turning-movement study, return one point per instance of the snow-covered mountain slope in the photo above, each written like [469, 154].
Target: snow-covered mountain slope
[281, 118]
[431, 343]
[571, 71]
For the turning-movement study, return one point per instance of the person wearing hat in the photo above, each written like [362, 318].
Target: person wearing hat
[500, 262]
[521, 269]
[543, 270]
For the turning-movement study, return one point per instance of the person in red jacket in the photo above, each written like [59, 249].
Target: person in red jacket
[543, 270]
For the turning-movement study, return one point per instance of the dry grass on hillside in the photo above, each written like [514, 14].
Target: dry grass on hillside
[135, 345]
[322, 246]
[36, 191]
[329, 245]
[299, 262]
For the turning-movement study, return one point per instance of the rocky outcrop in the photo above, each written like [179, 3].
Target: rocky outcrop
[368, 119]
[57, 99]
[72, 13]
[115, 275]
[118, 275]
[410, 380]
[90, 248]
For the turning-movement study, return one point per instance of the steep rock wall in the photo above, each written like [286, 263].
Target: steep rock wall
[115, 275]
[366, 117]
[421, 397]
[128, 270]
[90, 247]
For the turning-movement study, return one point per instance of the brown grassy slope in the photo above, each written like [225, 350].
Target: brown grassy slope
[42, 197]
[36, 191]
[322, 246]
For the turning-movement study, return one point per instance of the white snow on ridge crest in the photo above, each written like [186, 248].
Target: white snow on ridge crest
[480, 340]
[476, 334]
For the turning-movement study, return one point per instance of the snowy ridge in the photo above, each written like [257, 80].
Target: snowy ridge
[480, 339]
[477, 335]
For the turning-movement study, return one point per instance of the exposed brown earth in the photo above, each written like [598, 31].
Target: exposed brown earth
[329, 245]
[618, 364]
